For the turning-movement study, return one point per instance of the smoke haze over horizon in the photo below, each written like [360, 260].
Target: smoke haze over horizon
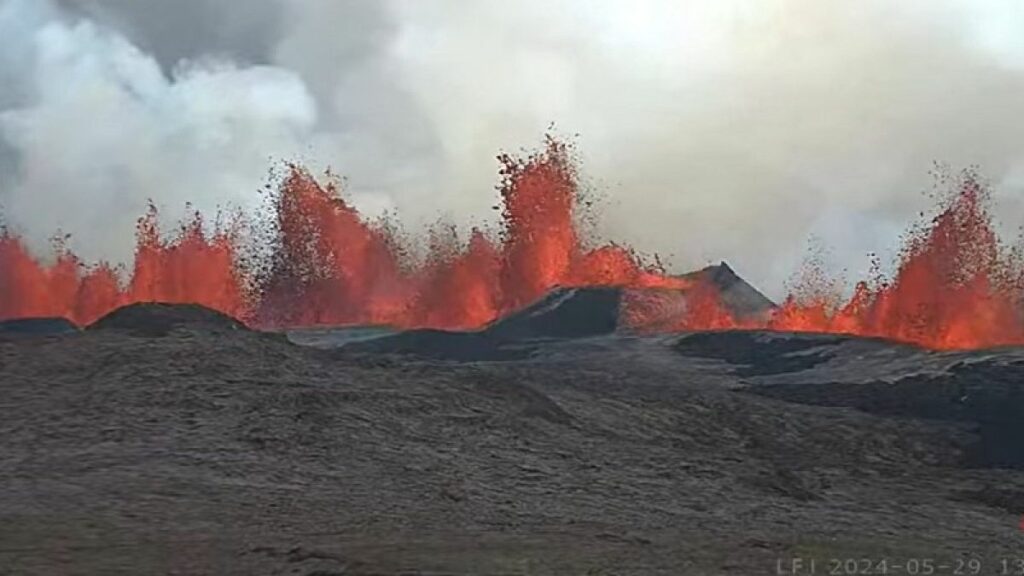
[719, 130]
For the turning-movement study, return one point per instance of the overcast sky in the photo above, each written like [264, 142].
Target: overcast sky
[717, 129]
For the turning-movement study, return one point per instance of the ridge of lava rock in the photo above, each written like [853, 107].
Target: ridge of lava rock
[157, 319]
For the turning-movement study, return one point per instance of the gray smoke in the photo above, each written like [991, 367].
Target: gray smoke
[724, 129]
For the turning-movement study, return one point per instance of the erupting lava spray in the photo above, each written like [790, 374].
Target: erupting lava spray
[955, 287]
[324, 264]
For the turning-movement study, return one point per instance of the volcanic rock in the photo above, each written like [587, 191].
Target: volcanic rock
[566, 313]
[741, 299]
[760, 353]
[37, 327]
[563, 313]
[156, 319]
[719, 453]
[443, 345]
[592, 311]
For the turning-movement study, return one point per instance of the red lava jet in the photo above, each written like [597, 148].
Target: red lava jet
[956, 286]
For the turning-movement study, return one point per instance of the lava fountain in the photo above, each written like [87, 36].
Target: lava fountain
[322, 263]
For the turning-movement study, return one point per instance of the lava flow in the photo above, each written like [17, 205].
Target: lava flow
[323, 264]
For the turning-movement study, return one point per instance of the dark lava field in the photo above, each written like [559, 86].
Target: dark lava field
[172, 440]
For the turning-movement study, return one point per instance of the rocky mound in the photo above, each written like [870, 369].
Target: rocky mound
[567, 313]
[563, 313]
[592, 311]
[739, 297]
[37, 327]
[155, 319]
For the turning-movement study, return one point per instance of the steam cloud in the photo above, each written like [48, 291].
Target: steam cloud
[723, 129]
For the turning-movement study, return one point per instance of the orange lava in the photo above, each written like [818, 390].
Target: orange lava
[956, 286]
[322, 263]
[192, 268]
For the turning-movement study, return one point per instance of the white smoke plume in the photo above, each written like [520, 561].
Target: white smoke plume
[717, 129]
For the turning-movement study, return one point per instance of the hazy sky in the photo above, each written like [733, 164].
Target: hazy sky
[718, 129]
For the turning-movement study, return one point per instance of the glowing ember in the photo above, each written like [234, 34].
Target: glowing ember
[955, 286]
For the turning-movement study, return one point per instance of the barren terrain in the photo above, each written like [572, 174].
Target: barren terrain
[173, 440]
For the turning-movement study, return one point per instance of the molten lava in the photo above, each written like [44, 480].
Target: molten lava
[192, 268]
[324, 264]
[955, 287]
